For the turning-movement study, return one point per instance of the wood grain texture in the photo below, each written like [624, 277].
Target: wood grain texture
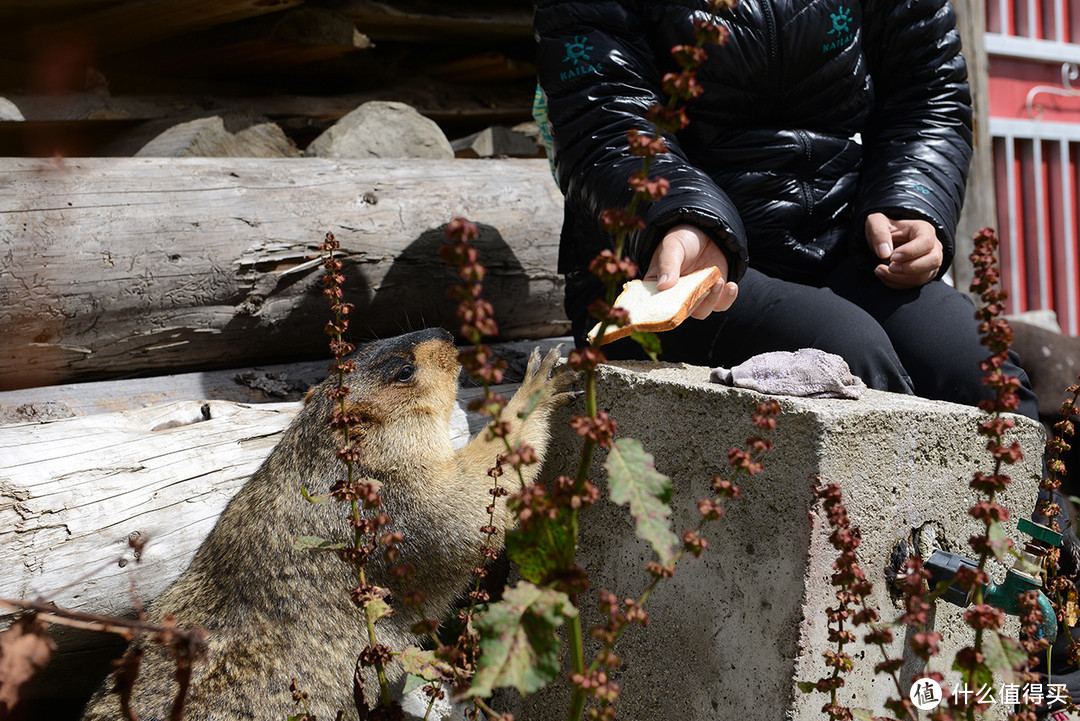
[73, 491]
[114, 267]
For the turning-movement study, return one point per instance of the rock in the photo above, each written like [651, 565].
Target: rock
[382, 129]
[497, 141]
[230, 136]
[9, 111]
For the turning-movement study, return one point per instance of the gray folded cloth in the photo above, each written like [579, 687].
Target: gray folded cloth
[807, 372]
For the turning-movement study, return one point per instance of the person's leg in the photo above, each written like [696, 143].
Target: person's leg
[935, 334]
[770, 315]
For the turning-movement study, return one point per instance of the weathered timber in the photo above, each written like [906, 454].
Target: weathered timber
[257, 384]
[74, 491]
[135, 24]
[979, 204]
[129, 266]
[292, 38]
[103, 107]
[440, 22]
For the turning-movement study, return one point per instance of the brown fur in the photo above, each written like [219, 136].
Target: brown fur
[276, 613]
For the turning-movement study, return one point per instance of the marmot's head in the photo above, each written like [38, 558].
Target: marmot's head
[401, 395]
[398, 380]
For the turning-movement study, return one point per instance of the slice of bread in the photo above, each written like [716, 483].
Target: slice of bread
[656, 311]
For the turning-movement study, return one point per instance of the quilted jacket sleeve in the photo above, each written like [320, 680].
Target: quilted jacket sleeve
[600, 76]
[918, 142]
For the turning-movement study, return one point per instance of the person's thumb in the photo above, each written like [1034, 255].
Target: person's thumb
[879, 235]
[669, 268]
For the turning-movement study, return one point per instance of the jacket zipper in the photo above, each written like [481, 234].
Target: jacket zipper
[804, 186]
[774, 41]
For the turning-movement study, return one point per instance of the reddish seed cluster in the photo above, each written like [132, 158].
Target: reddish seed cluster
[645, 146]
[853, 590]
[599, 429]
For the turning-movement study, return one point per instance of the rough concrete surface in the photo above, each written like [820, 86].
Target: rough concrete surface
[732, 632]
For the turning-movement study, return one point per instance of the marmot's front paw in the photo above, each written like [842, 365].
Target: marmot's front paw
[544, 388]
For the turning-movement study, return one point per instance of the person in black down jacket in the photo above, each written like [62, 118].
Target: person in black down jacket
[823, 170]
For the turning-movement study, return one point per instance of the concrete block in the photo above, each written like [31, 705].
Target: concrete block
[732, 632]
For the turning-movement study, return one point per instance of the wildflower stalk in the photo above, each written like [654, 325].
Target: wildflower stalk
[997, 336]
[853, 593]
[356, 493]
[613, 269]
[1060, 587]
[594, 681]
[477, 322]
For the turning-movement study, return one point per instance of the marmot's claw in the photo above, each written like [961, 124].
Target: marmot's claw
[546, 375]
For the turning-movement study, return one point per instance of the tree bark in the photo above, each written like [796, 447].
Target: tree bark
[129, 266]
[979, 204]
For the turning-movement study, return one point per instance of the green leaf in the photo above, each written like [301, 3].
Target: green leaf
[807, 686]
[377, 608]
[999, 542]
[634, 481]
[863, 714]
[649, 342]
[1003, 655]
[538, 550]
[519, 646]
[314, 543]
[319, 499]
[421, 664]
[982, 675]
[412, 683]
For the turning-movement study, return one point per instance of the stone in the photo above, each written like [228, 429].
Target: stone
[382, 129]
[230, 136]
[497, 141]
[732, 633]
[9, 111]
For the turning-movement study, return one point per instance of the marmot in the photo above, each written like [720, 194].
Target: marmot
[276, 613]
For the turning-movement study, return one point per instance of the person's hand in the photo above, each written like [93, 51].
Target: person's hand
[683, 250]
[910, 251]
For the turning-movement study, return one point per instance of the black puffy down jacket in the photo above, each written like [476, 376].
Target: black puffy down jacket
[815, 114]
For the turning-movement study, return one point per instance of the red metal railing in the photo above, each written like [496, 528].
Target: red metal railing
[1034, 48]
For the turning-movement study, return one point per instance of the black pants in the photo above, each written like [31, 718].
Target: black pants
[922, 341]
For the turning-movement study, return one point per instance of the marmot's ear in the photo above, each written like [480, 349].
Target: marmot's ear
[309, 395]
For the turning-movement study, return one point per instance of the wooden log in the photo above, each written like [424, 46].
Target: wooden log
[73, 491]
[415, 20]
[441, 102]
[979, 209]
[128, 25]
[130, 266]
[289, 39]
[259, 384]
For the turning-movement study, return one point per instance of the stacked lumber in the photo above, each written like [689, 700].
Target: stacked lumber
[128, 266]
[86, 75]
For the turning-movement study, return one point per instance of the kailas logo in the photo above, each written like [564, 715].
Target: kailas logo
[841, 21]
[577, 52]
[841, 31]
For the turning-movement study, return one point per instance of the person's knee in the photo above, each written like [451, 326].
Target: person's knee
[878, 366]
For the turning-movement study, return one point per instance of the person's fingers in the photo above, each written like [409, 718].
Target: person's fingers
[899, 279]
[666, 264]
[893, 280]
[719, 298]
[919, 266]
[918, 239]
[879, 235]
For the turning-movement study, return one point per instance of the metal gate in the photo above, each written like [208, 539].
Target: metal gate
[1034, 49]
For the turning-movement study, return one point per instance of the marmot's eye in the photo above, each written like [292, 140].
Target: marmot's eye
[406, 374]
